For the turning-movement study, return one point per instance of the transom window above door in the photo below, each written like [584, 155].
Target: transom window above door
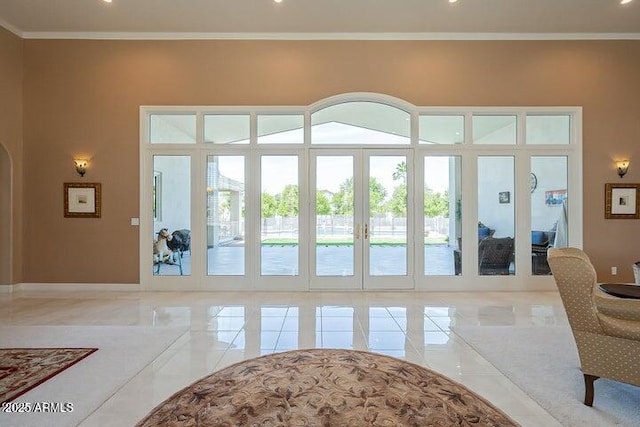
[367, 123]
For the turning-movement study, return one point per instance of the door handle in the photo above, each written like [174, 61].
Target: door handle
[357, 231]
[366, 231]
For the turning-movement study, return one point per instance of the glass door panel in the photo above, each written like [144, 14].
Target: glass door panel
[386, 228]
[442, 215]
[359, 221]
[171, 206]
[496, 215]
[280, 207]
[334, 213]
[225, 216]
[336, 219]
[549, 214]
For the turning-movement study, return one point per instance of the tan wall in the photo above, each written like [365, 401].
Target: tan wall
[11, 146]
[83, 97]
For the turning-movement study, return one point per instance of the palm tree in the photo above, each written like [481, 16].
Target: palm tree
[401, 172]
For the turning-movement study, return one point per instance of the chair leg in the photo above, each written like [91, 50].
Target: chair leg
[588, 389]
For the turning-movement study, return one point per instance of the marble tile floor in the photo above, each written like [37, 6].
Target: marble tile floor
[224, 328]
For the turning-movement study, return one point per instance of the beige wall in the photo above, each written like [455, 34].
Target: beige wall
[11, 145]
[83, 98]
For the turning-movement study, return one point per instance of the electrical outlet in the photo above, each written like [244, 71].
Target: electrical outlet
[614, 271]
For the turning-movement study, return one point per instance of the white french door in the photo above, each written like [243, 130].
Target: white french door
[361, 223]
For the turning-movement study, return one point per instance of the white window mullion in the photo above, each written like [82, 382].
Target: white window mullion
[304, 221]
[522, 214]
[253, 217]
[198, 226]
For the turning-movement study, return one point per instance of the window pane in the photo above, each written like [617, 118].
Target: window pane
[225, 215]
[281, 129]
[442, 215]
[334, 216]
[172, 212]
[548, 129]
[496, 215]
[441, 129]
[494, 129]
[279, 220]
[172, 129]
[387, 231]
[227, 128]
[549, 219]
[360, 123]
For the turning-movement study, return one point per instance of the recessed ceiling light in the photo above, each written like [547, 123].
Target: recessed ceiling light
[625, 1]
[452, 1]
[107, 1]
[278, 1]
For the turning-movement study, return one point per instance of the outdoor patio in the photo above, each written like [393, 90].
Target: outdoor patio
[282, 260]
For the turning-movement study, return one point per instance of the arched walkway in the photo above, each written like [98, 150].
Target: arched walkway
[5, 217]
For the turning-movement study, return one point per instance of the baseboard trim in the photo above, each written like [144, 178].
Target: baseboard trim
[77, 287]
[6, 289]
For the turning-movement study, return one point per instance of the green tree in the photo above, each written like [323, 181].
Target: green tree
[224, 204]
[323, 206]
[269, 205]
[398, 203]
[377, 196]
[435, 204]
[342, 201]
[288, 201]
[445, 198]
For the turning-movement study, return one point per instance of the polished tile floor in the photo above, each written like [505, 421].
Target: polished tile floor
[224, 328]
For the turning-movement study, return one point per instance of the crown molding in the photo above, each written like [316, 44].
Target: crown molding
[12, 28]
[320, 36]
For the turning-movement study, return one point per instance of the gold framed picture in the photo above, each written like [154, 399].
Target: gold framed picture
[82, 200]
[621, 201]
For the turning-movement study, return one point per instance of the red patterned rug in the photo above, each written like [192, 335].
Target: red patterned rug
[325, 388]
[22, 369]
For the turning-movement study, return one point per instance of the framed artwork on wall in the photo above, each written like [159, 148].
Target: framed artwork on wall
[621, 201]
[554, 197]
[82, 200]
[504, 197]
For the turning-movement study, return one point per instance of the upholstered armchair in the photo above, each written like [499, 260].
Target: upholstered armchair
[606, 328]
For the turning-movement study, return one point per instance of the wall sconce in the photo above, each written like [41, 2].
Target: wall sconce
[623, 167]
[81, 165]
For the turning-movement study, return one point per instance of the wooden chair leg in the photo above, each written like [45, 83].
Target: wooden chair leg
[588, 389]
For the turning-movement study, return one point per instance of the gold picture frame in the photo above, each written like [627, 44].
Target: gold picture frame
[82, 200]
[621, 201]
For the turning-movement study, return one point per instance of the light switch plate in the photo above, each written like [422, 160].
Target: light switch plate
[135, 221]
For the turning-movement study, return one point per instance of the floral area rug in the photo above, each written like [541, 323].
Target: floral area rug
[323, 387]
[22, 369]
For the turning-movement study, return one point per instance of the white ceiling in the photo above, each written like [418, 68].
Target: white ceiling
[322, 18]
